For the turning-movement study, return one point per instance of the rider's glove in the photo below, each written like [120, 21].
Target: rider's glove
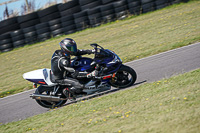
[93, 51]
[78, 74]
[92, 74]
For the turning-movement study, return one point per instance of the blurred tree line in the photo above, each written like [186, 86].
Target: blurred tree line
[27, 7]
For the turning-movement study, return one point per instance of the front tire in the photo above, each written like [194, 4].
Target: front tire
[48, 104]
[124, 77]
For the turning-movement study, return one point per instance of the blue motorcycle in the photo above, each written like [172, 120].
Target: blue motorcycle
[111, 72]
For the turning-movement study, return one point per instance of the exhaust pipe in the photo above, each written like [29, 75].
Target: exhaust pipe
[46, 97]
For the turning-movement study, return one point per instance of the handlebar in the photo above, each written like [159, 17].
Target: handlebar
[96, 46]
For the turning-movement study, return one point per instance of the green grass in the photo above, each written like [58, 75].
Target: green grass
[170, 105]
[132, 38]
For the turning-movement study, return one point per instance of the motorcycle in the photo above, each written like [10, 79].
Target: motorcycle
[111, 73]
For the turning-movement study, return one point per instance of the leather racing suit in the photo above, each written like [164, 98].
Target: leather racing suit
[61, 69]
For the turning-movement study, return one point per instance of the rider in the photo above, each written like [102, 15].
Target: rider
[61, 69]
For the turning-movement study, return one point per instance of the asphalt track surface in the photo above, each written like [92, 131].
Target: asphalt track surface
[164, 65]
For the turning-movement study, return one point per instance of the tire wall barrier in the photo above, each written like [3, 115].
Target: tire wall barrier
[70, 17]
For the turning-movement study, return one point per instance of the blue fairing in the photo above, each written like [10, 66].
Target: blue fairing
[82, 64]
[111, 61]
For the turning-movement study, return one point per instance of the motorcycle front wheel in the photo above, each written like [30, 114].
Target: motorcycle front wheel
[48, 104]
[124, 77]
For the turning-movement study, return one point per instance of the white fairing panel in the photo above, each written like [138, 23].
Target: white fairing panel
[40, 75]
[36, 74]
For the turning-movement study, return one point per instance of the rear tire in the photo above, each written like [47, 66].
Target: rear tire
[47, 104]
[124, 77]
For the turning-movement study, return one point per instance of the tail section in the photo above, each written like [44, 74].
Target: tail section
[40, 76]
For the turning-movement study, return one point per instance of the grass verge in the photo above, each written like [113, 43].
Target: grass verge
[132, 38]
[169, 105]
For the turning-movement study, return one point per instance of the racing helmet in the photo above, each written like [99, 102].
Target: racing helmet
[68, 46]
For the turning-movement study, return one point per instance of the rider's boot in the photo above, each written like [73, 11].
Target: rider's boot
[90, 85]
[70, 95]
[77, 91]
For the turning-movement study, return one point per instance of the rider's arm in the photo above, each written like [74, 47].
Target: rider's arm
[74, 73]
[83, 52]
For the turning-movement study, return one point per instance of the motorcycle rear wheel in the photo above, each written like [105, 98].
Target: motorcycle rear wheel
[124, 77]
[47, 104]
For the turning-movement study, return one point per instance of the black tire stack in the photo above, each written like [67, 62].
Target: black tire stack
[121, 9]
[43, 31]
[147, 5]
[68, 24]
[69, 8]
[67, 20]
[176, 1]
[107, 13]
[30, 35]
[134, 6]
[81, 20]
[161, 4]
[28, 20]
[49, 13]
[6, 42]
[94, 16]
[89, 4]
[18, 38]
[104, 2]
[55, 27]
[9, 25]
